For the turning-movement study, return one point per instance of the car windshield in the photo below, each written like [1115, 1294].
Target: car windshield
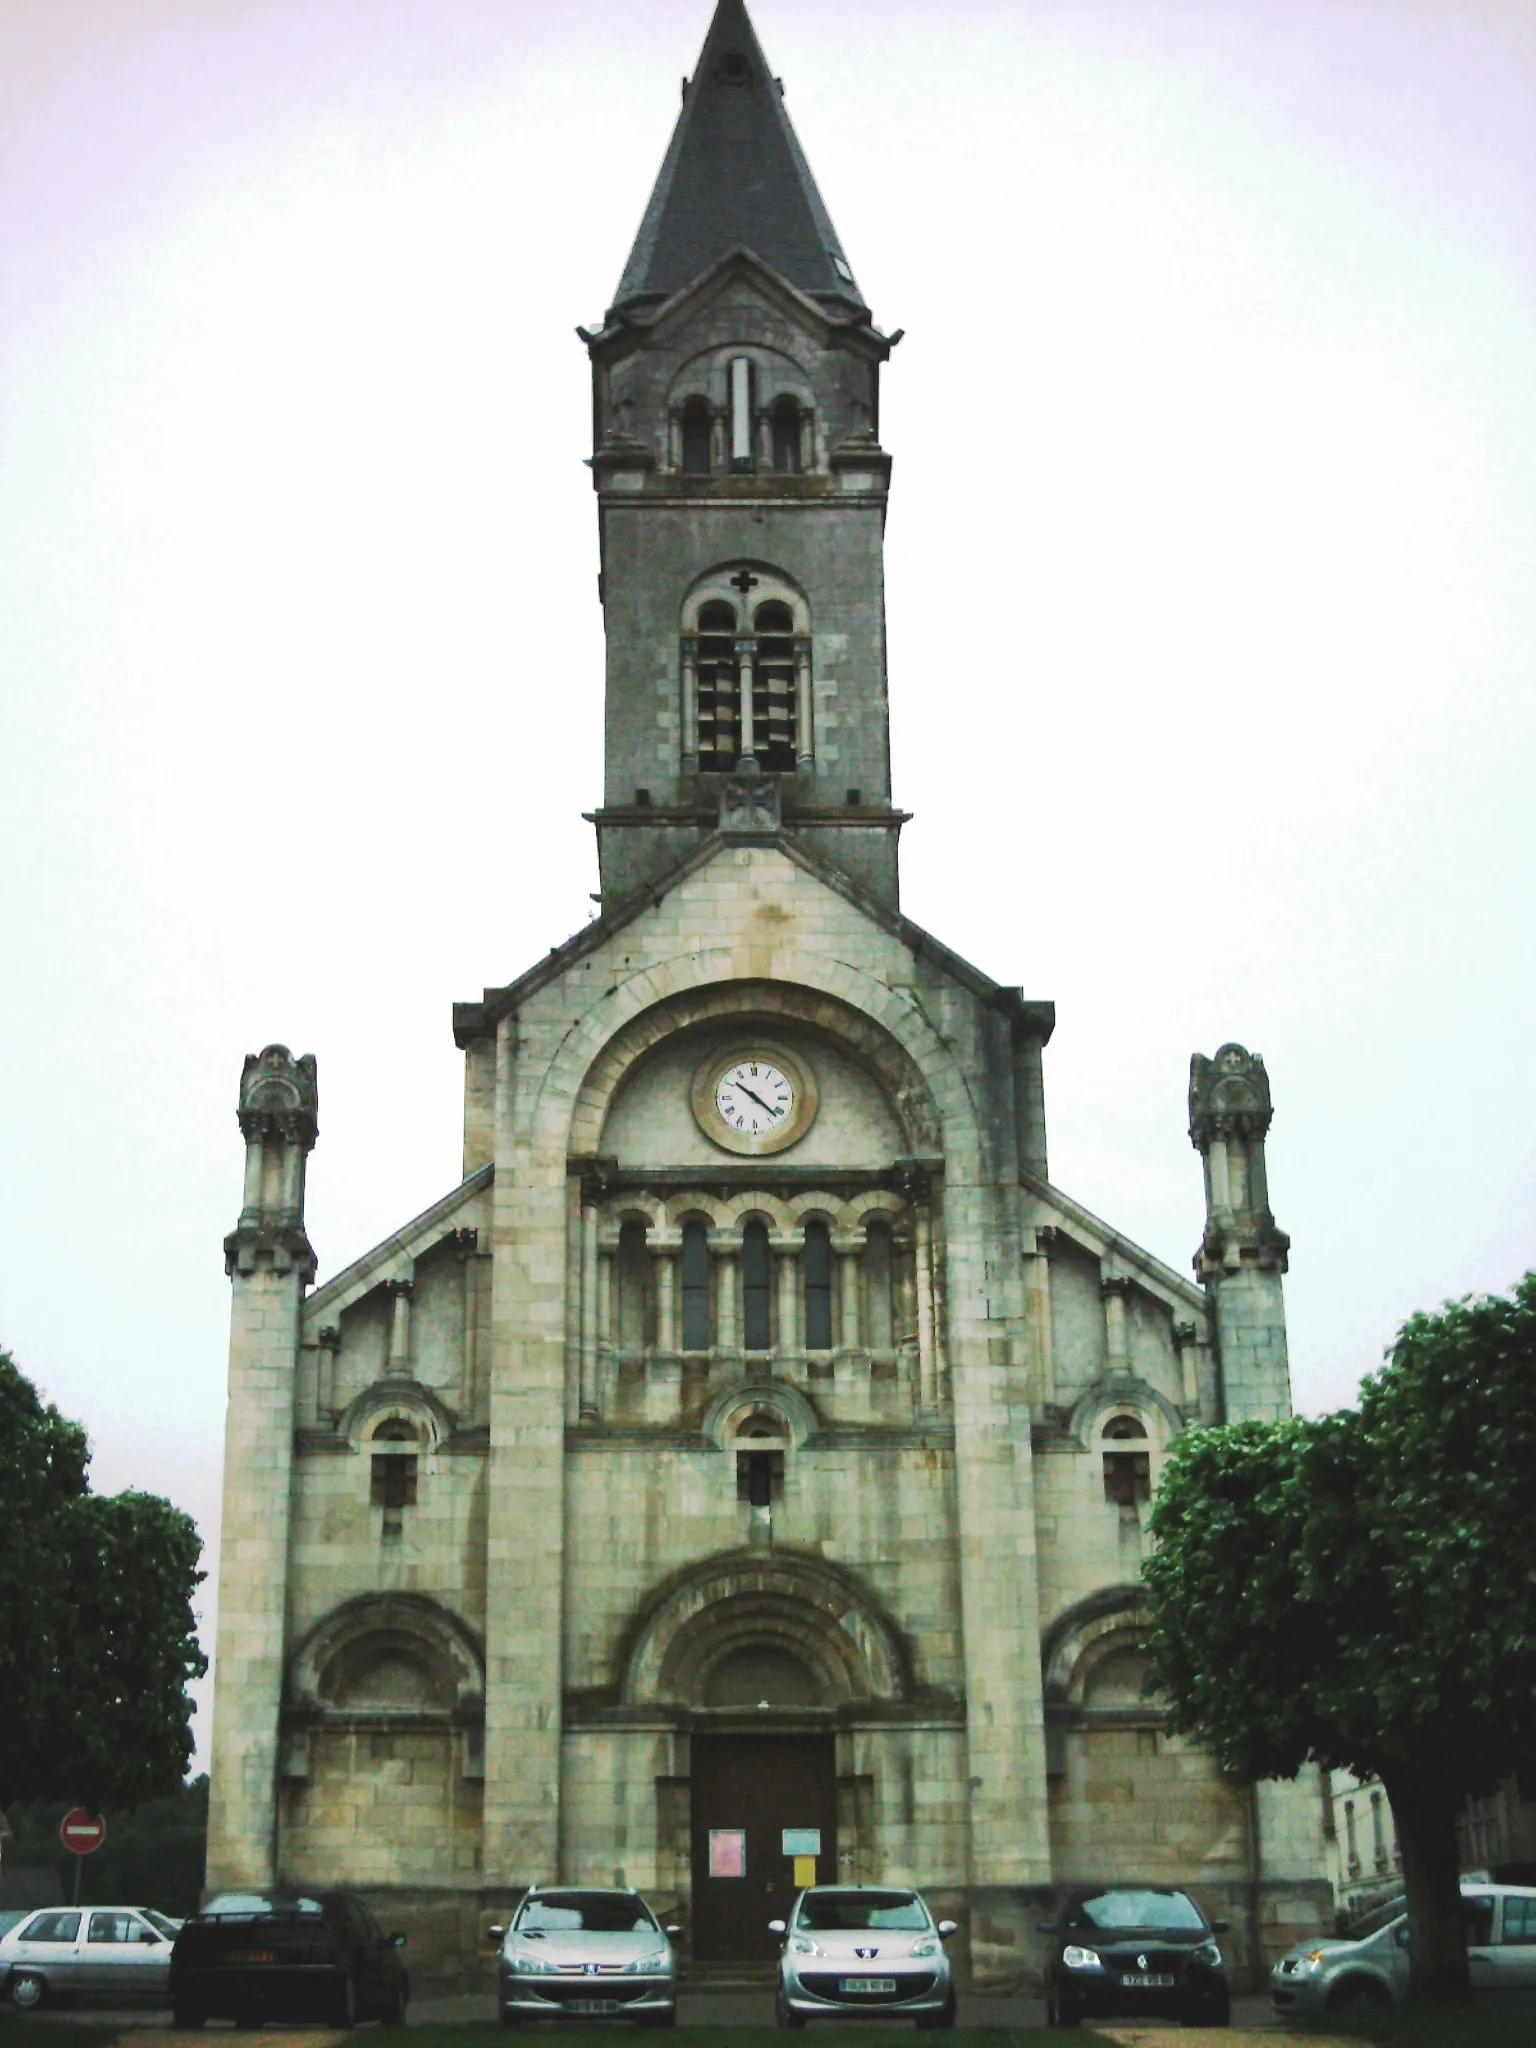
[853, 1912]
[584, 1913]
[1108, 1911]
[159, 1920]
[255, 1905]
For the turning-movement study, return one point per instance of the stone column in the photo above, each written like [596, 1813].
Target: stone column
[270, 1263]
[591, 1194]
[664, 1252]
[746, 654]
[465, 1244]
[690, 747]
[1037, 1312]
[1243, 1253]
[927, 1331]
[786, 1246]
[1115, 1292]
[849, 1251]
[726, 1248]
[329, 1343]
[1186, 1349]
[400, 1293]
[805, 730]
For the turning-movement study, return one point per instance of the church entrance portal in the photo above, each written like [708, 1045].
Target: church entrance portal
[761, 1803]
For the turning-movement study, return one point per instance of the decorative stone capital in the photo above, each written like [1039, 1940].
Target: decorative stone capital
[1234, 1241]
[279, 1097]
[464, 1243]
[399, 1289]
[270, 1247]
[1117, 1286]
[1228, 1096]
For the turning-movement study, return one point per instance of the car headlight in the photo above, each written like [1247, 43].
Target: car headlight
[647, 1965]
[1207, 1953]
[532, 1966]
[1311, 1963]
[928, 1946]
[802, 1945]
[1080, 1958]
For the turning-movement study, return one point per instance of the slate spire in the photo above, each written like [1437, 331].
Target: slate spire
[734, 173]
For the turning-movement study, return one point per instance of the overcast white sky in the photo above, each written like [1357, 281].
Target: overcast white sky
[1210, 574]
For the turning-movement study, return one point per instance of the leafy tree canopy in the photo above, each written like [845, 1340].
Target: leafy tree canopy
[97, 1635]
[1361, 1590]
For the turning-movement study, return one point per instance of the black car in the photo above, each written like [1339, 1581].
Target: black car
[248, 1956]
[1136, 1949]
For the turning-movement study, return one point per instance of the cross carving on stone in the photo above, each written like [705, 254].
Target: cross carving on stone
[743, 581]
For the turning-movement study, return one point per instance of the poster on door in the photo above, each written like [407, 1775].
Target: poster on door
[727, 1852]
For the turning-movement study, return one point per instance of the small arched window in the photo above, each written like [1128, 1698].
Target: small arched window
[1127, 1472]
[695, 1288]
[392, 1473]
[817, 1269]
[755, 1287]
[879, 1320]
[634, 1275]
[697, 430]
[785, 426]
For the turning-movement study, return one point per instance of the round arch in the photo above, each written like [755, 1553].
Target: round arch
[1108, 1625]
[388, 1652]
[812, 1616]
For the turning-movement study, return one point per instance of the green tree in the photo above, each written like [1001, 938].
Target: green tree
[1360, 1590]
[97, 1636]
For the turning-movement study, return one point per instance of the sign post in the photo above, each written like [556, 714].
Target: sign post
[82, 1834]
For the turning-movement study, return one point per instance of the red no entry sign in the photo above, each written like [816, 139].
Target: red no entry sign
[81, 1832]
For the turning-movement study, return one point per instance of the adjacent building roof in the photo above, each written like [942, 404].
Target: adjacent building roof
[735, 173]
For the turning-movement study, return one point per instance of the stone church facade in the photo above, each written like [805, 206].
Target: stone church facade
[741, 1476]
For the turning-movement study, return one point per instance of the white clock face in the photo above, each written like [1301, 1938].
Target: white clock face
[755, 1097]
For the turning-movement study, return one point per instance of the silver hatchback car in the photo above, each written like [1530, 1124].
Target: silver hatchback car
[873, 1949]
[1322, 1979]
[121, 1953]
[581, 1953]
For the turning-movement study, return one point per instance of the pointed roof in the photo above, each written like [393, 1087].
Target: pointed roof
[735, 173]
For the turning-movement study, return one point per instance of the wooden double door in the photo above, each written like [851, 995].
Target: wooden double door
[764, 1824]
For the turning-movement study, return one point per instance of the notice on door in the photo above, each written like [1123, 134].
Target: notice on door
[802, 1841]
[727, 1852]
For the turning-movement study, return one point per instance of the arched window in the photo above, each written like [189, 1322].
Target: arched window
[695, 1289]
[634, 1275]
[718, 692]
[697, 428]
[1128, 1472]
[756, 1290]
[773, 698]
[878, 1264]
[785, 429]
[817, 1269]
[760, 1445]
[392, 1474]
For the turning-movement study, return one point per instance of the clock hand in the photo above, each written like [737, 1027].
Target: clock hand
[758, 1099]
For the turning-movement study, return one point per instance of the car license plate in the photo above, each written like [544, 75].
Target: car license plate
[591, 2005]
[1139, 1982]
[867, 1984]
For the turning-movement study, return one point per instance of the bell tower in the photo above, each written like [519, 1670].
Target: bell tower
[741, 504]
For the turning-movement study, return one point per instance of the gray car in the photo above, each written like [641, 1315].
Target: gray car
[1324, 1978]
[121, 1953]
[578, 1952]
[872, 1949]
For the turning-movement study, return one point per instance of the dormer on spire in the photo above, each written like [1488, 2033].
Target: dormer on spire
[735, 175]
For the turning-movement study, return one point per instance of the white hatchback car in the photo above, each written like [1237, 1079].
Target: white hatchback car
[1323, 1978]
[113, 1952]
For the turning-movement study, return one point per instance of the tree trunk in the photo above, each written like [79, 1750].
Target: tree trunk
[1424, 1808]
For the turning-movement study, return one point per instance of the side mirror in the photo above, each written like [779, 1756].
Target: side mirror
[776, 1927]
[397, 1941]
[495, 1933]
[947, 1928]
[1221, 1927]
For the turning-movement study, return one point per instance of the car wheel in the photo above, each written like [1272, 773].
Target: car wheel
[1359, 1994]
[396, 2004]
[27, 1990]
[944, 2017]
[782, 2014]
[1058, 2013]
[188, 2015]
[343, 2012]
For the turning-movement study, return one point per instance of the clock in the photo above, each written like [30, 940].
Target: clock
[753, 1098]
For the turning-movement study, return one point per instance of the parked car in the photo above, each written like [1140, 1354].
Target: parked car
[577, 1952]
[1323, 1977]
[248, 1955]
[117, 1952]
[1136, 1949]
[863, 1949]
